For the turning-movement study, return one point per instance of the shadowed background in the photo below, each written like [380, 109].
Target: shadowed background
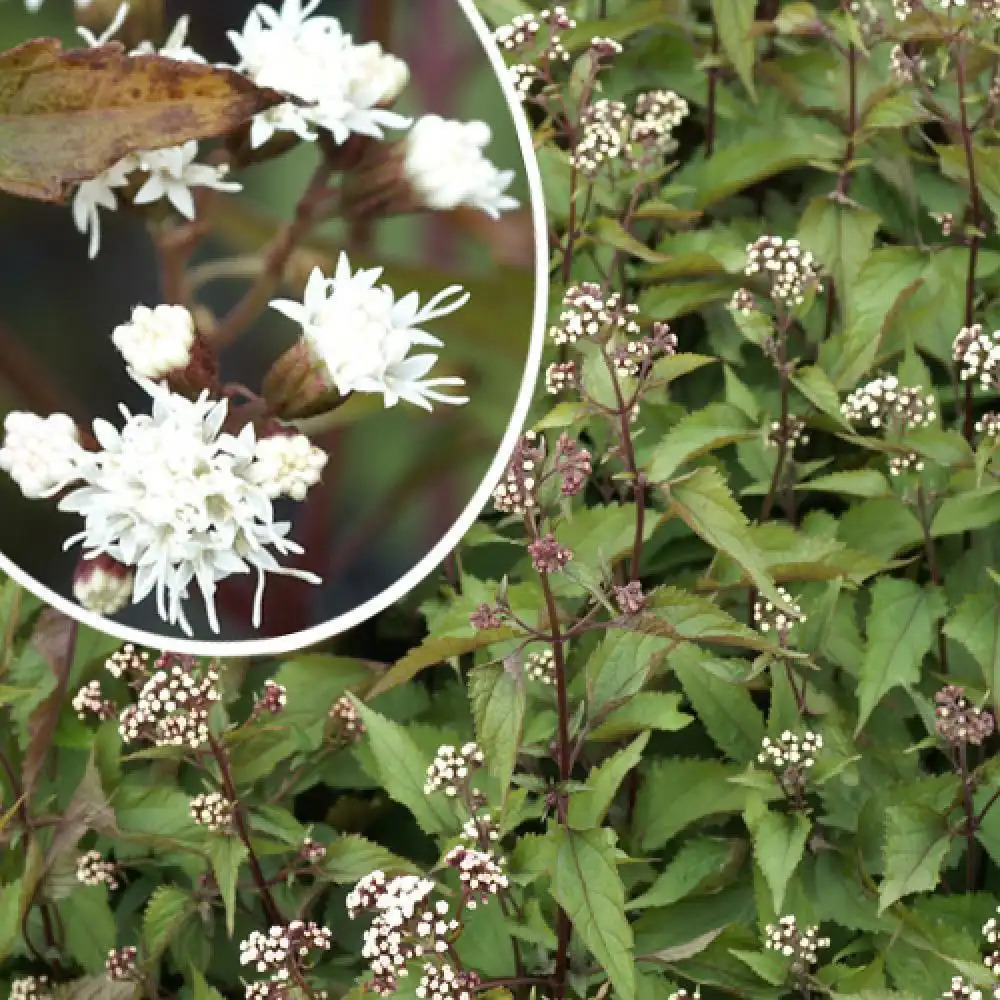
[396, 480]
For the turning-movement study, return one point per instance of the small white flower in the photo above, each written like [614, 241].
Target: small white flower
[96, 41]
[41, 454]
[288, 465]
[172, 174]
[360, 336]
[445, 165]
[99, 193]
[175, 46]
[156, 341]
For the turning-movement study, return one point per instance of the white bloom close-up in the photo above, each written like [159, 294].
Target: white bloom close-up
[288, 465]
[359, 335]
[172, 174]
[446, 167]
[41, 454]
[174, 47]
[170, 496]
[97, 193]
[343, 86]
[156, 341]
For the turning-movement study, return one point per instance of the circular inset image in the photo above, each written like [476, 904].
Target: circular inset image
[261, 368]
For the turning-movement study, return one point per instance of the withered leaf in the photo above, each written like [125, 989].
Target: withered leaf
[66, 116]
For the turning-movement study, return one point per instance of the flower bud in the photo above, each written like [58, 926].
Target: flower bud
[102, 584]
[294, 386]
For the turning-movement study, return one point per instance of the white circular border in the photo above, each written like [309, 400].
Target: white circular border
[317, 633]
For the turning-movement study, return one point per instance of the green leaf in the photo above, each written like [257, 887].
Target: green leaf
[402, 771]
[704, 503]
[619, 667]
[695, 790]
[856, 483]
[705, 430]
[726, 710]
[646, 710]
[497, 696]
[916, 842]
[90, 926]
[779, 840]
[589, 805]
[675, 366]
[699, 864]
[734, 19]
[202, 989]
[840, 234]
[313, 682]
[976, 625]
[167, 910]
[227, 854]
[611, 233]
[10, 917]
[350, 857]
[815, 385]
[901, 630]
[967, 512]
[586, 884]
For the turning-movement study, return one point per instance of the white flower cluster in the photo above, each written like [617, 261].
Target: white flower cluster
[958, 721]
[657, 114]
[541, 667]
[978, 355]
[92, 869]
[120, 965]
[516, 493]
[212, 810]
[480, 829]
[127, 660]
[900, 464]
[156, 342]
[561, 377]
[905, 68]
[587, 313]
[479, 873]
[790, 756]
[173, 708]
[311, 851]
[884, 403]
[790, 269]
[451, 769]
[30, 987]
[683, 994]
[989, 424]
[272, 701]
[90, 700]
[284, 950]
[170, 496]
[769, 617]
[604, 133]
[446, 165]
[444, 982]
[743, 301]
[799, 945]
[348, 718]
[406, 925]
[520, 34]
[359, 337]
[790, 434]
[961, 990]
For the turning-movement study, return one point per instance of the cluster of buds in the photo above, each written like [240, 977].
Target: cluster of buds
[978, 355]
[451, 770]
[406, 925]
[587, 314]
[632, 357]
[768, 617]
[906, 462]
[347, 719]
[788, 434]
[30, 988]
[272, 701]
[517, 491]
[604, 131]
[959, 722]
[541, 667]
[212, 810]
[884, 403]
[657, 114]
[90, 700]
[991, 931]
[790, 269]
[961, 990]
[121, 963]
[173, 705]
[521, 34]
[989, 424]
[480, 829]
[487, 618]
[573, 464]
[92, 869]
[310, 852]
[946, 220]
[479, 873]
[683, 994]
[548, 555]
[801, 946]
[561, 376]
[127, 662]
[789, 757]
[283, 952]
[904, 69]
[630, 598]
[444, 982]
[743, 301]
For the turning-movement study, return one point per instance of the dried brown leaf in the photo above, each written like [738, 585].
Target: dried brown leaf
[66, 116]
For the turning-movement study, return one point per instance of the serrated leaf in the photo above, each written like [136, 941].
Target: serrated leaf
[816, 386]
[705, 430]
[646, 710]
[855, 483]
[916, 842]
[166, 911]
[967, 512]
[840, 234]
[901, 630]
[734, 19]
[588, 806]
[779, 840]
[619, 667]
[697, 864]
[227, 854]
[497, 696]
[65, 117]
[350, 857]
[586, 884]
[90, 926]
[402, 770]
[976, 625]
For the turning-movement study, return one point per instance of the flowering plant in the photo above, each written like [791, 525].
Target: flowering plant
[705, 705]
